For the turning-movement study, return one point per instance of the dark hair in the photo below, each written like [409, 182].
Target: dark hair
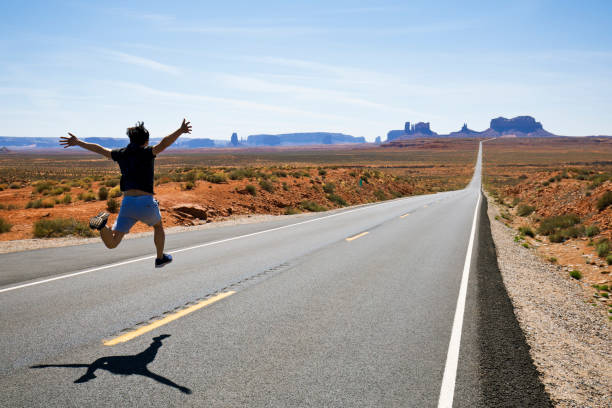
[138, 134]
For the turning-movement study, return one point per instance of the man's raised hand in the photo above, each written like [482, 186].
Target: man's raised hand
[69, 141]
[185, 127]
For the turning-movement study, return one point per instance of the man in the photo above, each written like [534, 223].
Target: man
[136, 162]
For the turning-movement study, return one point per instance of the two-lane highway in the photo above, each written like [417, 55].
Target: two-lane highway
[350, 308]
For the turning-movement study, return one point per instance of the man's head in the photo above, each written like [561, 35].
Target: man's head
[138, 134]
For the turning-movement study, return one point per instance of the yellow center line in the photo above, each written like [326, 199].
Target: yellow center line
[171, 317]
[405, 215]
[357, 236]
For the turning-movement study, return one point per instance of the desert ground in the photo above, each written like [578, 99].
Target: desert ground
[195, 187]
[557, 195]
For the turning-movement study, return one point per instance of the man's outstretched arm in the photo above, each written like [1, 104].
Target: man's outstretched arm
[171, 138]
[92, 147]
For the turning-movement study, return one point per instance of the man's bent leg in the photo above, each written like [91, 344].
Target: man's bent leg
[159, 237]
[111, 238]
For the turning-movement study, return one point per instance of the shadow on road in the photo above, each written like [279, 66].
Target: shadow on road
[125, 365]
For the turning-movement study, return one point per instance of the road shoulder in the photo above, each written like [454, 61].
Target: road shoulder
[569, 342]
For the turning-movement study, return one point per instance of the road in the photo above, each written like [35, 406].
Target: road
[349, 308]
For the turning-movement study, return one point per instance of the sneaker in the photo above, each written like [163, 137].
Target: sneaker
[160, 262]
[99, 221]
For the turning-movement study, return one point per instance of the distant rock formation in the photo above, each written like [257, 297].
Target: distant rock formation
[520, 126]
[378, 140]
[234, 139]
[523, 124]
[464, 132]
[4, 149]
[296, 139]
[420, 129]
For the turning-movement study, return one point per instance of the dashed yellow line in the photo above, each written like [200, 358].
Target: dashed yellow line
[357, 236]
[158, 323]
[405, 215]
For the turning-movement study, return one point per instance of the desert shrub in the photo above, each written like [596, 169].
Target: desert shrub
[66, 199]
[280, 173]
[591, 230]
[61, 227]
[216, 178]
[115, 192]
[322, 172]
[14, 186]
[524, 210]
[102, 193]
[291, 211]
[88, 196]
[48, 203]
[5, 226]
[556, 237]
[545, 184]
[523, 177]
[576, 274]
[11, 207]
[266, 185]
[285, 186]
[525, 230]
[111, 182]
[329, 188]
[43, 186]
[56, 191]
[189, 185]
[34, 204]
[515, 202]
[609, 259]
[239, 174]
[3, 187]
[380, 195]
[602, 248]
[251, 189]
[112, 205]
[312, 206]
[550, 225]
[597, 180]
[604, 201]
[334, 198]
[573, 232]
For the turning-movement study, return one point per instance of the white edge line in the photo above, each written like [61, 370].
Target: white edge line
[99, 268]
[447, 390]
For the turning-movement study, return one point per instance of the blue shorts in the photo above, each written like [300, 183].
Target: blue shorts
[137, 208]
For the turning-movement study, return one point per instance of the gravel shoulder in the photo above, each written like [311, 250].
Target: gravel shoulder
[570, 340]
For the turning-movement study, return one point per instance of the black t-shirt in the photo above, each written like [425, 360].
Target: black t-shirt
[136, 164]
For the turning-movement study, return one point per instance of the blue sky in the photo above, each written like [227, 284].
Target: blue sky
[362, 68]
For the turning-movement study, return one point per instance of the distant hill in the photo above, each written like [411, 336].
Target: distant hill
[296, 139]
[520, 126]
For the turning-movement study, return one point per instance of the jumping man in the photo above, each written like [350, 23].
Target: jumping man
[136, 163]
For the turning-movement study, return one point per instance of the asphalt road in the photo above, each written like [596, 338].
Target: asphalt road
[349, 308]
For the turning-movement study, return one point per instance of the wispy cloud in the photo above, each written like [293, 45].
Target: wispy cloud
[143, 62]
[239, 103]
[246, 83]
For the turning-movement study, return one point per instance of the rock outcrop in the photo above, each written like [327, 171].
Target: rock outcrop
[420, 129]
[523, 124]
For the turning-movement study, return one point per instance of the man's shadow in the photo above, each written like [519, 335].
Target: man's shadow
[125, 365]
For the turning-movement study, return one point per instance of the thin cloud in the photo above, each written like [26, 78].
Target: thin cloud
[144, 62]
[240, 103]
[258, 85]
